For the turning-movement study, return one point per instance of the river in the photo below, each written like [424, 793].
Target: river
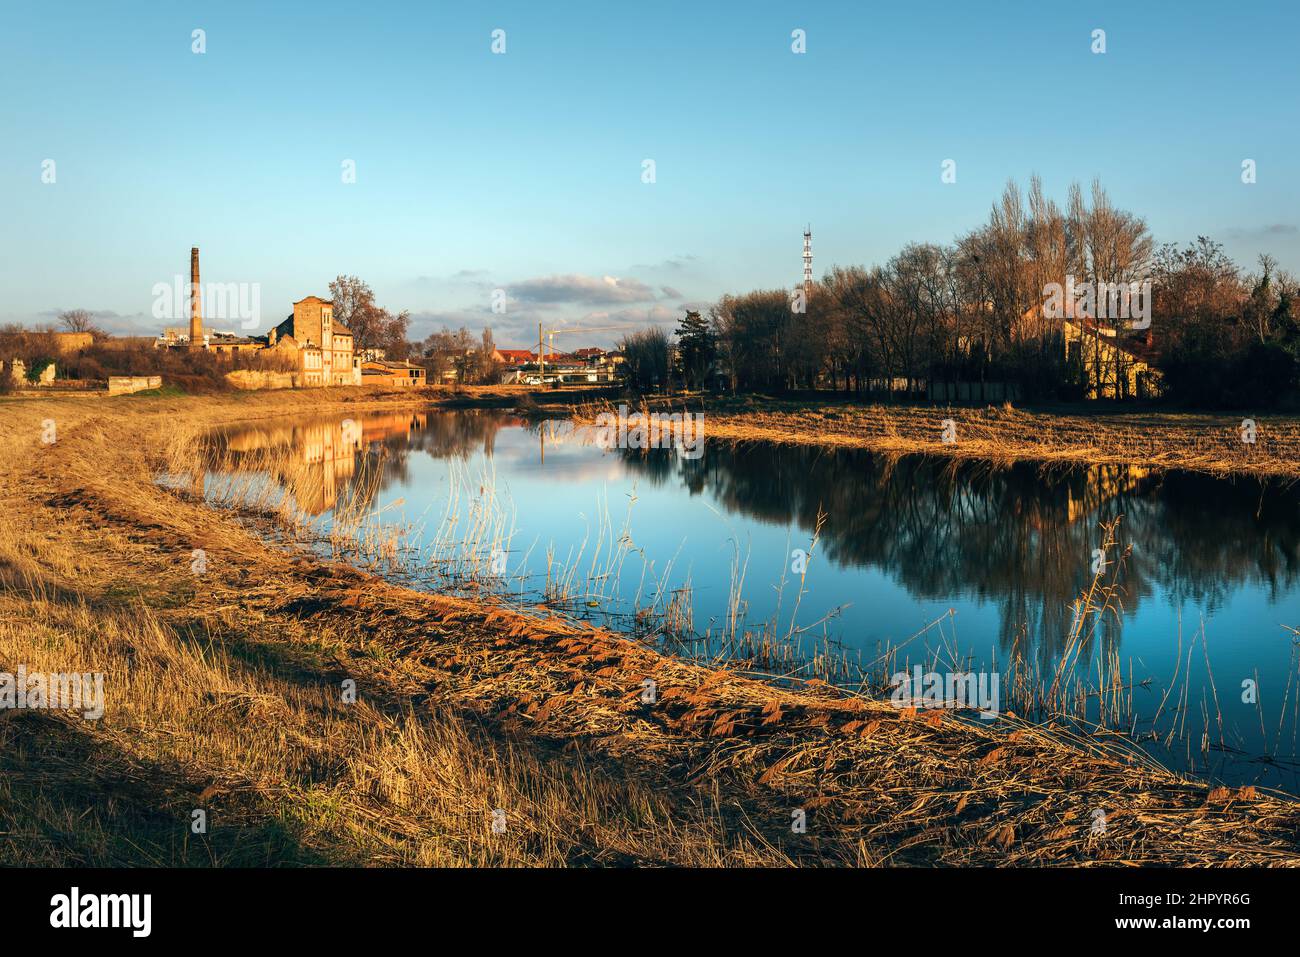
[841, 558]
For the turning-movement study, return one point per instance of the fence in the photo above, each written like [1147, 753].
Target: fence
[973, 392]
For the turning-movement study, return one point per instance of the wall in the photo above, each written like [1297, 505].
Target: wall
[252, 379]
[126, 384]
[70, 342]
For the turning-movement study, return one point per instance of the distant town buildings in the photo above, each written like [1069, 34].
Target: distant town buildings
[512, 358]
[318, 350]
[532, 368]
[310, 348]
[402, 375]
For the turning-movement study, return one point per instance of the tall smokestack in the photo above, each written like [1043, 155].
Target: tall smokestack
[196, 302]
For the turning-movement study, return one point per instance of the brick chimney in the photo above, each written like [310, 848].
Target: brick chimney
[196, 302]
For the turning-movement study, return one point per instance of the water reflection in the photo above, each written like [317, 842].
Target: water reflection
[320, 457]
[1011, 547]
[1021, 536]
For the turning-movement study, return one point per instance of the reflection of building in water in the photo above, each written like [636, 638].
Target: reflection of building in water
[376, 428]
[1101, 483]
[315, 461]
[329, 458]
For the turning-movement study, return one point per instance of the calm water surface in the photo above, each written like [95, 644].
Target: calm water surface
[995, 556]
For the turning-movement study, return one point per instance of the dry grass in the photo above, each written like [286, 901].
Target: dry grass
[225, 693]
[215, 703]
[257, 735]
[1193, 441]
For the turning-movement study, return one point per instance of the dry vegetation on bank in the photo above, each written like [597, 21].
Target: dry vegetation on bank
[1201, 442]
[224, 693]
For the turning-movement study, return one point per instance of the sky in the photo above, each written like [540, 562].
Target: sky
[524, 171]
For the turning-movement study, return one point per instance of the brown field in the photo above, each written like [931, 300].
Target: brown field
[1200, 442]
[224, 693]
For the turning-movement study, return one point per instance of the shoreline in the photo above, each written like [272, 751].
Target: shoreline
[95, 559]
[1189, 441]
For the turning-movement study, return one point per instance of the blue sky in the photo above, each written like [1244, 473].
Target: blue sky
[523, 171]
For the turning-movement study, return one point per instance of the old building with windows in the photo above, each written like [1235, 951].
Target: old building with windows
[312, 325]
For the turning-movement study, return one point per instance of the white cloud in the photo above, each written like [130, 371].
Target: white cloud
[575, 288]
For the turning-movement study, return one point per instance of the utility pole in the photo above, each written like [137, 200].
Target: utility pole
[541, 355]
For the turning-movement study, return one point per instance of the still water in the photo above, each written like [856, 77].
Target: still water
[966, 567]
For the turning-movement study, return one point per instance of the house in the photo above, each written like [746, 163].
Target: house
[1113, 366]
[312, 323]
[512, 364]
[393, 374]
[306, 359]
[512, 357]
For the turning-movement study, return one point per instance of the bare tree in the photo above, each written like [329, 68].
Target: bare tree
[372, 326]
[79, 320]
[646, 359]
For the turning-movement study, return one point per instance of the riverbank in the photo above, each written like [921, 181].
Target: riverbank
[1194, 441]
[226, 692]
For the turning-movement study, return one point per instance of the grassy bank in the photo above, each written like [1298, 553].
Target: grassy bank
[1200, 442]
[226, 693]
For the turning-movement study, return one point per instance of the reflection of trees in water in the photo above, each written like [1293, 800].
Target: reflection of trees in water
[1018, 536]
[462, 433]
[440, 436]
[1243, 530]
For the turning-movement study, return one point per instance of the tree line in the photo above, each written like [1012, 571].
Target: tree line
[973, 311]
